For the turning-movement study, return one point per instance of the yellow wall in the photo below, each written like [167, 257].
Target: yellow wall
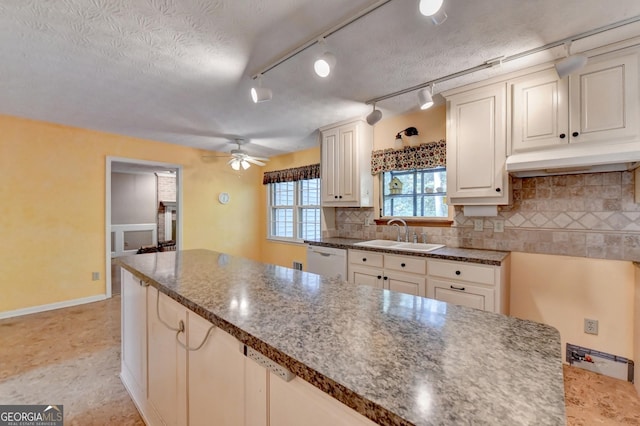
[562, 291]
[431, 125]
[275, 252]
[52, 215]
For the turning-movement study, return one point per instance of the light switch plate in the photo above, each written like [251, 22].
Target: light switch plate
[478, 224]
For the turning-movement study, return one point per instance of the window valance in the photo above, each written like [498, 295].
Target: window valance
[425, 156]
[311, 171]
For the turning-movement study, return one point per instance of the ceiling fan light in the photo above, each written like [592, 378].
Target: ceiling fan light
[570, 65]
[425, 99]
[430, 7]
[245, 164]
[235, 164]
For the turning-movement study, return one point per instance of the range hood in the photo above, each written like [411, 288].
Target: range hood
[575, 158]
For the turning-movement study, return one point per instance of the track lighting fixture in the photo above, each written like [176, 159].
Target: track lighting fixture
[259, 93]
[374, 116]
[433, 9]
[571, 63]
[325, 63]
[425, 97]
[409, 131]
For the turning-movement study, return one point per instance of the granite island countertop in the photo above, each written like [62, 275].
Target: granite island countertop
[398, 359]
[485, 257]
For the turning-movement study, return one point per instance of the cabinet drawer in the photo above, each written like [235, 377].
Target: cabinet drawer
[414, 265]
[365, 258]
[462, 294]
[461, 271]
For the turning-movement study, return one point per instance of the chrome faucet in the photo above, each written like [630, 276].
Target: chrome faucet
[406, 229]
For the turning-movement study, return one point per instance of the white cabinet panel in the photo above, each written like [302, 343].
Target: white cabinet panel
[298, 403]
[216, 376]
[346, 165]
[404, 274]
[362, 275]
[540, 113]
[476, 147]
[405, 283]
[463, 294]
[134, 334]
[604, 100]
[167, 360]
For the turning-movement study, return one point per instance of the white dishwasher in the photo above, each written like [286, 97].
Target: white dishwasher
[327, 261]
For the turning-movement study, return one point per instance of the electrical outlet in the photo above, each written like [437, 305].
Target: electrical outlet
[498, 226]
[478, 224]
[95, 276]
[590, 326]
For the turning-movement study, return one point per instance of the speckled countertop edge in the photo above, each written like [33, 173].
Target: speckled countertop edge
[365, 406]
[485, 257]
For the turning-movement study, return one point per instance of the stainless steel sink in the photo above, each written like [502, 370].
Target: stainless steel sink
[398, 245]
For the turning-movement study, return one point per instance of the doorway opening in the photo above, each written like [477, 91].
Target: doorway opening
[143, 211]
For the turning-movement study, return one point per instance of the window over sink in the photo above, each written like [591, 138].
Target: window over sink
[420, 193]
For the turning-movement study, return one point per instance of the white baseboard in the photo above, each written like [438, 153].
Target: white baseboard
[51, 306]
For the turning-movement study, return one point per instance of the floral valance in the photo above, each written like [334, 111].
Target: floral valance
[290, 175]
[424, 156]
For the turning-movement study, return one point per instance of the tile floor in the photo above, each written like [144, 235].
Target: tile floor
[71, 357]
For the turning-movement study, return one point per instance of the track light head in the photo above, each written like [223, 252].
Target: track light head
[425, 97]
[430, 7]
[259, 93]
[325, 63]
[571, 63]
[374, 116]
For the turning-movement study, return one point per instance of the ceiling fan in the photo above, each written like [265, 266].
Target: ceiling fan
[241, 159]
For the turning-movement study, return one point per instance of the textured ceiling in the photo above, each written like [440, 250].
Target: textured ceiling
[180, 70]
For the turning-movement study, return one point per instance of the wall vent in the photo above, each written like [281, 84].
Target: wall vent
[297, 265]
[600, 362]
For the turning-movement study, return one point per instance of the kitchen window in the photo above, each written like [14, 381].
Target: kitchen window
[420, 193]
[293, 203]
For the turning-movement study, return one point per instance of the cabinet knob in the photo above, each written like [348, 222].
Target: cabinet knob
[457, 288]
[403, 265]
[335, 196]
[575, 134]
[364, 259]
[385, 278]
[498, 190]
[379, 276]
[562, 136]
[458, 272]
[340, 196]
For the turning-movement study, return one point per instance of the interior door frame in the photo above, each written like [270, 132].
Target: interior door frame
[107, 212]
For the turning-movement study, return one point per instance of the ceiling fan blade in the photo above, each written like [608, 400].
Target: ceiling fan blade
[254, 161]
[232, 160]
[259, 158]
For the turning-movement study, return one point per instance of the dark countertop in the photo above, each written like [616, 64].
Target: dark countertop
[397, 359]
[485, 257]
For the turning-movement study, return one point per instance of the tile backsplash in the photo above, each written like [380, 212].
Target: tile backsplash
[586, 215]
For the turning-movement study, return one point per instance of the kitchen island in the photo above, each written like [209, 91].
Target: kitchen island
[394, 358]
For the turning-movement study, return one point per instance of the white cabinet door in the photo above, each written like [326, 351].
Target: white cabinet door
[476, 147]
[346, 165]
[540, 111]
[216, 376]
[167, 360]
[330, 165]
[365, 276]
[464, 294]
[298, 403]
[405, 283]
[134, 335]
[604, 100]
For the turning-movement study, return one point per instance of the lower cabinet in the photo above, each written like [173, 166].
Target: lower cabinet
[179, 370]
[484, 287]
[404, 274]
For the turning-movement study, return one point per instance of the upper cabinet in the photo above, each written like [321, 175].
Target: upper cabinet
[476, 146]
[346, 165]
[597, 104]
